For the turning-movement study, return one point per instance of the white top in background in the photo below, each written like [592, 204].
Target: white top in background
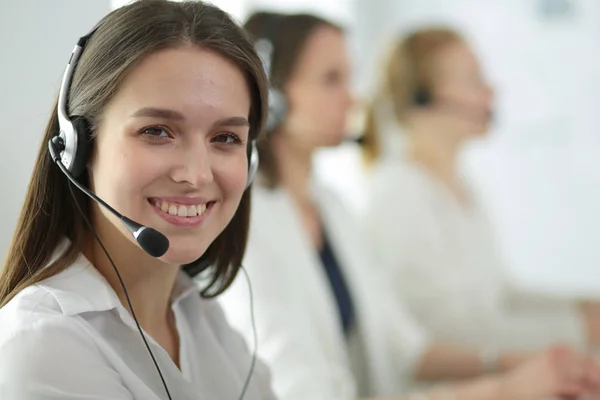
[299, 329]
[69, 337]
[442, 260]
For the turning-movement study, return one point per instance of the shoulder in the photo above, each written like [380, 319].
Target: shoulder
[34, 319]
[35, 336]
[266, 199]
[43, 338]
[272, 210]
[27, 311]
[335, 212]
[49, 355]
[267, 202]
[396, 176]
[400, 187]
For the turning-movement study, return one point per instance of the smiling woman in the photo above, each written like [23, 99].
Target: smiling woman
[167, 124]
[157, 120]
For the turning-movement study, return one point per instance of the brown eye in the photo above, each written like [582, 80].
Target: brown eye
[156, 131]
[332, 77]
[227, 138]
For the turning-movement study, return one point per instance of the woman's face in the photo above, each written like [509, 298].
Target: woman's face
[170, 151]
[318, 93]
[461, 92]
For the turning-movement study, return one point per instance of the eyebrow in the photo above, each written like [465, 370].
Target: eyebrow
[158, 113]
[233, 121]
[164, 113]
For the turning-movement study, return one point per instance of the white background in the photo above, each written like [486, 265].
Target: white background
[539, 169]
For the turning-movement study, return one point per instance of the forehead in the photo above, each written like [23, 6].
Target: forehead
[188, 79]
[324, 47]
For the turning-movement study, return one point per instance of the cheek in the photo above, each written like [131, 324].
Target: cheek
[317, 111]
[120, 177]
[474, 97]
[485, 99]
[331, 111]
[231, 176]
[317, 116]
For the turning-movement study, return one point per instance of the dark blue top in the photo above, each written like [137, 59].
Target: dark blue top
[338, 284]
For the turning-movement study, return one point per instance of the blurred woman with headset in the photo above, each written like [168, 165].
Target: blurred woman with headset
[157, 114]
[323, 315]
[424, 221]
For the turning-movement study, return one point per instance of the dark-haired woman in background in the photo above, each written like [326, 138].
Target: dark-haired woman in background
[323, 312]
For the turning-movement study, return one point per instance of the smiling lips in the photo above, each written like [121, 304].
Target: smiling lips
[180, 210]
[181, 214]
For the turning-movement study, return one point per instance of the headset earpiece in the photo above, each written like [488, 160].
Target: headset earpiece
[75, 144]
[277, 101]
[81, 128]
[422, 97]
[252, 163]
[278, 108]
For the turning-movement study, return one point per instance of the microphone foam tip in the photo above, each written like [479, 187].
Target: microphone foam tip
[153, 242]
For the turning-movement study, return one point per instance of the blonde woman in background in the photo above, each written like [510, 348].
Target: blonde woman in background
[424, 221]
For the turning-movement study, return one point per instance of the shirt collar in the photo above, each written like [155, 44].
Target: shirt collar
[82, 288]
[184, 287]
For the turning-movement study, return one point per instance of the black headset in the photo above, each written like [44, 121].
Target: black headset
[265, 47]
[422, 97]
[75, 133]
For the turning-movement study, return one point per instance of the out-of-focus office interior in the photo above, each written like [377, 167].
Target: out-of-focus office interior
[538, 170]
[424, 272]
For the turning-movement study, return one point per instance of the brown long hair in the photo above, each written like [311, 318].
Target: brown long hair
[288, 34]
[123, 39]
[410, 68]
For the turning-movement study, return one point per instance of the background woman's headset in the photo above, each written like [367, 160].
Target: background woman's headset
[265, 47]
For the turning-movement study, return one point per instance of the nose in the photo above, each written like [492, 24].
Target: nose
[349, 102]
[193, 166]
[490, 93]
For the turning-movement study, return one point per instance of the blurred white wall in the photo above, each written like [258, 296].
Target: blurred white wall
[539, 170]
[36, 39]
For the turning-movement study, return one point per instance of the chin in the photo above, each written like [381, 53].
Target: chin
[183, 254]
[333, 140]
[482, 131]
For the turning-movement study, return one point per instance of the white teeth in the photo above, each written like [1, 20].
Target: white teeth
[164, 206]
[182, 211]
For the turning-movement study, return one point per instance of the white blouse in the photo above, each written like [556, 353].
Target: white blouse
[441, 257]
[69, 337]
[299, 329]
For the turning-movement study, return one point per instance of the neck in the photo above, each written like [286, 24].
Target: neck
[433, 147]
[294, 166]
[149, 282]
